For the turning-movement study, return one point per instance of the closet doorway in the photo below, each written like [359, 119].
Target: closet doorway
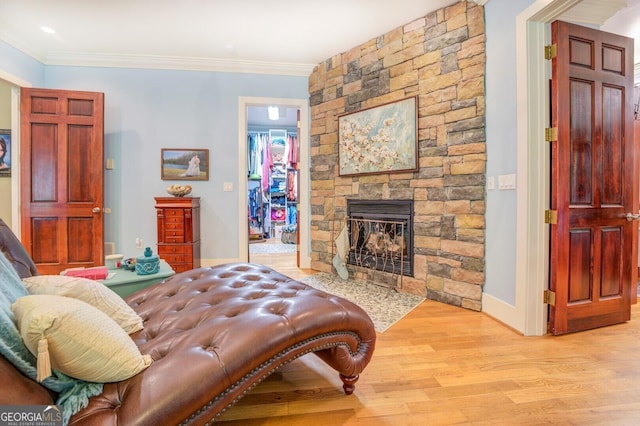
[273, 193]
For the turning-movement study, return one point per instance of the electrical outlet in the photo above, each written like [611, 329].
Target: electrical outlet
[139, 243]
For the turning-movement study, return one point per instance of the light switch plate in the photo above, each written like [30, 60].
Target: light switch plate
[491, 182]
[507, 181]
[227, 186]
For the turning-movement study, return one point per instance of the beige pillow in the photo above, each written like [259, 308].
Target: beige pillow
[93, 292]
[76, 339]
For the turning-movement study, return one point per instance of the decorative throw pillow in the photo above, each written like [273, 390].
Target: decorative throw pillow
[73, 394]
[93, 292]
[77, 339]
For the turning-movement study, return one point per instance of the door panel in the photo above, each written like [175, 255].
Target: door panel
[579, 254]
[594, 182]
[62, 178]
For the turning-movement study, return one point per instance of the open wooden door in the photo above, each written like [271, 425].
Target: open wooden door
[594, 182]
[61, 178]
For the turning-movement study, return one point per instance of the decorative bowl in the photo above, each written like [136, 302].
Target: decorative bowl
[179, 190]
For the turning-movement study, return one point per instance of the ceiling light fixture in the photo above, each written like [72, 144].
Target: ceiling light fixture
[48, 30]
[274, 114]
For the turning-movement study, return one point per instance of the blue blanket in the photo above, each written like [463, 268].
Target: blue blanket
[73, 394]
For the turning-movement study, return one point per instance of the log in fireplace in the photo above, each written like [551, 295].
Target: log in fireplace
[381, 235]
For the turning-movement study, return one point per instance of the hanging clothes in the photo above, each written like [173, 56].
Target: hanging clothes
[267, 162]
[251, 154]
[292, 190]
[255, 155]
[292, 143]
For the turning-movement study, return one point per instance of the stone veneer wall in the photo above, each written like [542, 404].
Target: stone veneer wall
[441, 59]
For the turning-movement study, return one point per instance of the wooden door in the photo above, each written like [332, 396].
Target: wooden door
[594, 183]
[61, 178]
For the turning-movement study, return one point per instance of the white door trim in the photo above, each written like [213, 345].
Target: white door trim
[304, 218]
[17, 83]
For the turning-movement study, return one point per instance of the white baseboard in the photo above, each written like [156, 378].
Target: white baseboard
[503, 312]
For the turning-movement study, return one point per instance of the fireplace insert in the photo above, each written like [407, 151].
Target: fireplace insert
[381, 235]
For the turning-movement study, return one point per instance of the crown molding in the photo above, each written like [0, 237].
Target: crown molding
[24, 48]
[84, 59]
[108, 60]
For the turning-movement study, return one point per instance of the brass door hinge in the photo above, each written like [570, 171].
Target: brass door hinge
[551, 134]
[549, 297]
[550, 51]
[551, 217]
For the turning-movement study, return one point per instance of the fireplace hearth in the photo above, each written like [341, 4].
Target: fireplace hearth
[381, 235]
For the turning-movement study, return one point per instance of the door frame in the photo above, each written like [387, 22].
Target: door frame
[16, 83]
[304, 171]
[533, 162]
[529, 314]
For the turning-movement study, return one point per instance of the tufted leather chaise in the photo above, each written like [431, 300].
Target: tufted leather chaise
[214, 333]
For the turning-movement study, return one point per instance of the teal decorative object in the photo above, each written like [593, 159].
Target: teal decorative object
[147, 264]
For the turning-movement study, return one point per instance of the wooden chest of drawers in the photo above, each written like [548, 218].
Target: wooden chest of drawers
[179, 231]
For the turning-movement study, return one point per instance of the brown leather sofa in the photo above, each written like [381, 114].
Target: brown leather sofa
[214, 334]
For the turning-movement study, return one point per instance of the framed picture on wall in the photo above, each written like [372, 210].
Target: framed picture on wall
[5, 152]
[184, 164]
[380, 139]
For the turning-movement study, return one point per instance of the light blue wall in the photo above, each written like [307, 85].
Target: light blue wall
[146, 110]
[20, 65]
[500, 17]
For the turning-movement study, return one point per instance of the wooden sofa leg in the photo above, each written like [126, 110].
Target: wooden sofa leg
[349, 383]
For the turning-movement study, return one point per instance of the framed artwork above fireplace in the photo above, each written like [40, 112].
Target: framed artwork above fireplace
[382, 139]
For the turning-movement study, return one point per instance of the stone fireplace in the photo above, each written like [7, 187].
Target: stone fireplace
[381, 235]
[441, 59]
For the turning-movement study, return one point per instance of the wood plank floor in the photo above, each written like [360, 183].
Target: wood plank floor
[443, 365]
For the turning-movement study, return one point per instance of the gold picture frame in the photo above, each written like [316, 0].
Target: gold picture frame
[184, 164]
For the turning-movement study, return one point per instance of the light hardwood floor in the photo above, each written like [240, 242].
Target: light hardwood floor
[443, 365]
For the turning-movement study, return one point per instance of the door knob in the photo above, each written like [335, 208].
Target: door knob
[98, 210]
[631, 216]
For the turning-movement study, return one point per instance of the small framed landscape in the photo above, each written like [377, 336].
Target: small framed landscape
[184, 164]
[382, 139]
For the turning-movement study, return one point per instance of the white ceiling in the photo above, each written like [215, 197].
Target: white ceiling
[233, 35]
[265, 36]
[626, 22]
